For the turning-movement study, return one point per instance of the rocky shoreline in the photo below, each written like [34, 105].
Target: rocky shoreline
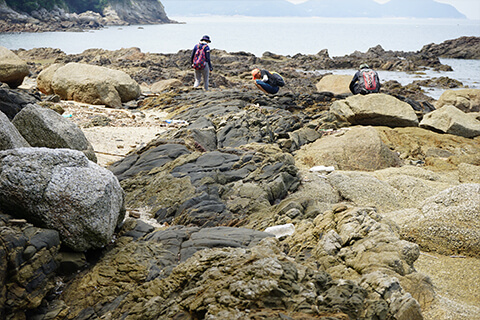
[308, 204]
[116, 13]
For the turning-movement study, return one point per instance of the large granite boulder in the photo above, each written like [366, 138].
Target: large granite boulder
[376, 109]
[12, 69]
[61, 189]
[10, 138]
[89, 84]
[447, 223]
[467, 100]
[370, 153]
[43, 127]
[337, 84]
[45, 78]
[451, 120]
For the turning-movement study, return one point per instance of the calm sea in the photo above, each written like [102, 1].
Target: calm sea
[286, 36]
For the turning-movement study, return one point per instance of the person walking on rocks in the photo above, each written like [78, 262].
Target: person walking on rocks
[200, 61]
[365, 81]
[268, 82]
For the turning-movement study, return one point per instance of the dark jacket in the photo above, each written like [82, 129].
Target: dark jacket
[270, 80]
[207, 54]
[359, 85]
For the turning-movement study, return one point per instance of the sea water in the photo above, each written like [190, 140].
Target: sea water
[281, 35]
[286, 36]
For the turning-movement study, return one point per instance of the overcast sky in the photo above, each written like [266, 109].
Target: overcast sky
[470, 8]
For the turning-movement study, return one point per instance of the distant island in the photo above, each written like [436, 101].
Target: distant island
[314, 8]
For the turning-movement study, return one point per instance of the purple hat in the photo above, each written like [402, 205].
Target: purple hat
[205, 38]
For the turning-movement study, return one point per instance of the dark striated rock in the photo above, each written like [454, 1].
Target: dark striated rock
[28, 265]
[207, 189]
[12, 101]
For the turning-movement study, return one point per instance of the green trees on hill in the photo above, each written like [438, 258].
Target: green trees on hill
[31, 5]
[71, 5]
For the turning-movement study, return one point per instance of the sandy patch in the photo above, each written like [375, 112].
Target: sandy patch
[114, 133]
[111, 144]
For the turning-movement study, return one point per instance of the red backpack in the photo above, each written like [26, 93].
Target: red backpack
[369, 80]
[199, 58]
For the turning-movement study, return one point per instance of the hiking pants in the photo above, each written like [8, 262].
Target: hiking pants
[266, 87]
[205, 72]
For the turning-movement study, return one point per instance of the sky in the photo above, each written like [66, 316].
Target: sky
[470, 8]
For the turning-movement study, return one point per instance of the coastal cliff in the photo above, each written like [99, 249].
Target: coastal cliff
[67, 15]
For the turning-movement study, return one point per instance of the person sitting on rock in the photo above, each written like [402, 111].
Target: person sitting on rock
[365, 81]
[268, 82]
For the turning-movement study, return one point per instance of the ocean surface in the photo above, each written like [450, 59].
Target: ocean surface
[286, 36]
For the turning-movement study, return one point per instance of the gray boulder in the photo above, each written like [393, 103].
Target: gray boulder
[10, 138]
[447, 223]
[89, 84]
[376, 109]
[12, 69]
[61, 189]
[337, 150]
[43, 127]
[452, 120]
[467, 100]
